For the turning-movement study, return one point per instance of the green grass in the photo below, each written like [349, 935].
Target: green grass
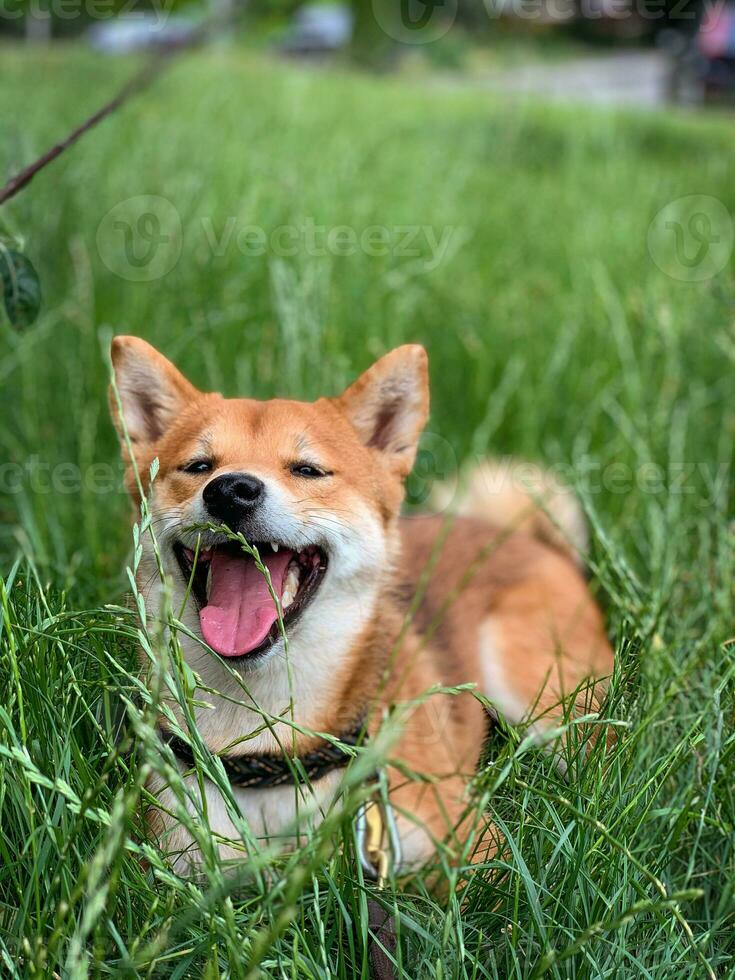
[552, 335]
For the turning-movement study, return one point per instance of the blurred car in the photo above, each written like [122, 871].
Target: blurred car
[319, 29]
[703, 62]
[137, 32]
[716, 46]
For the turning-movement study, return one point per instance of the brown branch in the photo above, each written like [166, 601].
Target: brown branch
[136, 84]
[22, 179]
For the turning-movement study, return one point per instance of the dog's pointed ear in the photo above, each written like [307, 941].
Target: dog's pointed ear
[152, 391]
[388, 405]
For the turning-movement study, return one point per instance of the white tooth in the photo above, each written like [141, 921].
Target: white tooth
[209, 582]
[274, 546]
[290, 586]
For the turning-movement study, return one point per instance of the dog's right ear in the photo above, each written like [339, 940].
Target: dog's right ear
[388, 405]
[152, 391]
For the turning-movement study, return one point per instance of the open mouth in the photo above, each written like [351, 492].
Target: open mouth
[237, 614]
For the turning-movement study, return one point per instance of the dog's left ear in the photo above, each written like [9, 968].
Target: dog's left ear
[152, 391]
[388, 405]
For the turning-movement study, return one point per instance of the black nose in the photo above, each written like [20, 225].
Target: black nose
[232, 495]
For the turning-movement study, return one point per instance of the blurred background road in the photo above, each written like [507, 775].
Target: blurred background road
[640, 52]
[640, 78]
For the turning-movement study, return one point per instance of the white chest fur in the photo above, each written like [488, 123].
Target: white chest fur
[276, 817]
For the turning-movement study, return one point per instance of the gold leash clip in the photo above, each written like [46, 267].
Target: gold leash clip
[378, 844]
[375, 832]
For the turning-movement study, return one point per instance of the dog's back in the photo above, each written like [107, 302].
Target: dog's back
[503, 600]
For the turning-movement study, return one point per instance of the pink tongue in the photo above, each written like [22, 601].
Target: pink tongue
[241, 610]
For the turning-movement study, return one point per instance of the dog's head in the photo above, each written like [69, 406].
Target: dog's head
[314, 487]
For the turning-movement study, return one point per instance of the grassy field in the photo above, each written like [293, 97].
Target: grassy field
[514, 243]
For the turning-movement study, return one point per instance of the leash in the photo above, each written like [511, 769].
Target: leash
[379, 851]
[378, 841]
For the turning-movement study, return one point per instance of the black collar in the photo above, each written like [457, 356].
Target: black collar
[265, 771]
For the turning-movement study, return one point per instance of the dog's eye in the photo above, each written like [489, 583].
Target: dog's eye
[198, 466]
[306, 469]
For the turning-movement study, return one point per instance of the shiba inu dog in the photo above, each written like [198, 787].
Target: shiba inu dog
[377, 609]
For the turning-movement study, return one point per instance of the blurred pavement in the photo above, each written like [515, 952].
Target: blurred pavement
[627, 78]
